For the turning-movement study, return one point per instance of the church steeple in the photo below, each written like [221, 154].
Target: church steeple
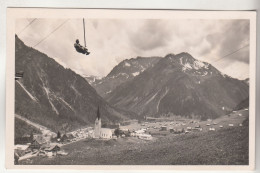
[97, 127]
[98, 113]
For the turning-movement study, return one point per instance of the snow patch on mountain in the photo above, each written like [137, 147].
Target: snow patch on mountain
[223, 75]
[205, 73]
[123, 74]
[116, 76]
[186, 66]
[75, 90]
[148, 101]
[66, 103]
[49, 99]
[136, 73]
[181, 61]
[108, 92]
[198, 65]
[91, 76]
[164, 94]
[91, 79]
[142, 67]
[127, 64]
[29, 94]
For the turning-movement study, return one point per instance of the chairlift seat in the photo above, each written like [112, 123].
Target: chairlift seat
[81, 49]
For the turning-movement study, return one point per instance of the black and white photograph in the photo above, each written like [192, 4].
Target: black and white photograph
[144, 87]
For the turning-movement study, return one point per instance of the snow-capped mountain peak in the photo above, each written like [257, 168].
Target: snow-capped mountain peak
[124, 71]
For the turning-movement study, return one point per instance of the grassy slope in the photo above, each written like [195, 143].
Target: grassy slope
[22, 128]
[224, 147]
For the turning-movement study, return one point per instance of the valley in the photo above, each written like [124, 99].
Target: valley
[225, 146]
[171, 110]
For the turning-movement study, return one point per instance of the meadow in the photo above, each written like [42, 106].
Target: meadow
[225, 146]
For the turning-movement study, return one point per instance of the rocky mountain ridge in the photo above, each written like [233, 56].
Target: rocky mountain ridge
[180, 85]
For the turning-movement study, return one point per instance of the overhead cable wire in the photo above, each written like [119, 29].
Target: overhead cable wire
[84, 32]
[51, 33]
[231, 53]
[26, 26]
[47, 36]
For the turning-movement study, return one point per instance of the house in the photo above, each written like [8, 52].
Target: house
[21, 149]
[197, 126]
[145, 136]
[99, 132]
[189, 128]
[196, 129]
[211, 129]
[70, 136]
[178, 131]
[132, 134]
[64, 138]
[106, 133]
[160, 133]
[39, 138]
[111, 126]
[52, 150]
[36, 144]
[163, 128]
[125, 123]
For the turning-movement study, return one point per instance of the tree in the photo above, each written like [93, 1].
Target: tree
[31, 136]
[117, 132]
[58, 135]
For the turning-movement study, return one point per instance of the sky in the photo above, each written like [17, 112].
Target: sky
[110, 41]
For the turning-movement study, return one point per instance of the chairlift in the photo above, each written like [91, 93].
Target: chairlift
[79, 48]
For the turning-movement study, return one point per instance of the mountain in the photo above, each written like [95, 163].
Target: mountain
[247, 81]
[243, 104]
[91, 79]
[124, 71]
[180, 85]
[54, 96]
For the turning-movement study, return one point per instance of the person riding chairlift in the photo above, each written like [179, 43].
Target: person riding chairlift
[81, 49]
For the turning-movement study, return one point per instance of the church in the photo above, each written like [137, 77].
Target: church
[99, 132]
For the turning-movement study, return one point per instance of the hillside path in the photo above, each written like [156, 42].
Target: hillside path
[43, 129]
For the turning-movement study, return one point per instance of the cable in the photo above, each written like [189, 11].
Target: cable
[84, 32]
[231, 53]
[50, 33]
[45, 37]
[27, 26]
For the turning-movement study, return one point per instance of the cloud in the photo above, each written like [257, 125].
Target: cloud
[112, 40]
[150, 35]
[233, 35]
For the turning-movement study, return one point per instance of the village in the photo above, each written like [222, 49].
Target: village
[49, 144]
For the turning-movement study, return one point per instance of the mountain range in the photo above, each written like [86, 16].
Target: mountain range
[54, 96]
[57, 97]
[178, 85]
[121, 73]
